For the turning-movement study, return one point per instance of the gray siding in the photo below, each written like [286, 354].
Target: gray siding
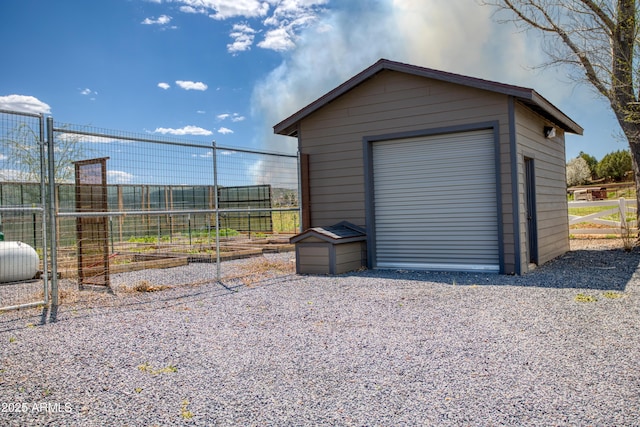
[388, 103]
[312, 258]
[349, 257]
[550, 179]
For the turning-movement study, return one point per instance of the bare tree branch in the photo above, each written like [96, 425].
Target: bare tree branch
[600, 13]
[600, 38]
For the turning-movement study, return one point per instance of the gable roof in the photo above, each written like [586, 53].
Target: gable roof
[529, 97]
[343, 232]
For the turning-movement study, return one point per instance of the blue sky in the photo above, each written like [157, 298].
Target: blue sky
[228, 70]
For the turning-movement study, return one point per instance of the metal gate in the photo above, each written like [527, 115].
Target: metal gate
[24, 239]
[93, 243]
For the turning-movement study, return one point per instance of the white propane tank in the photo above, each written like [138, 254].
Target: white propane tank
[18, 261]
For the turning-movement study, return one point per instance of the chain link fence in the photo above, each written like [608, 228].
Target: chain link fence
[116, 203]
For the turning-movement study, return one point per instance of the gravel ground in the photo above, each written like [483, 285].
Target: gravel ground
[559, 346]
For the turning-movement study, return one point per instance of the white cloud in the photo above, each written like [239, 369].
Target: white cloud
[206, 155]
[483, 47]
[283, 18]
[189, 85]
[242, 36]
[187, 130]
[74, 137]
[295, 12]
[3, 157]
[119, 177]
[225, 9]
[289, 18]
[224, 131]
[24, 103]
[162, 20]
[163, 85]
[235, 117]
[209, 154]
[88, 92]
[279, 39]
[191, 9]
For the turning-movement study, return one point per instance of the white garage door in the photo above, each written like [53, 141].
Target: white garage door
[435, 202]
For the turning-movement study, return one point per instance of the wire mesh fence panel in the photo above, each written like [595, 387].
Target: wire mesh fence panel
[172, 202]
[142, 215]
[23, 239]
[269, 182]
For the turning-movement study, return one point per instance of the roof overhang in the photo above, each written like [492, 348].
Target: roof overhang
[528, 97]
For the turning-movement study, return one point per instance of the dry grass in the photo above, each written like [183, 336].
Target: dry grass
[258, 269]
[146, 286]
[71, 294]
[250, 273]
[628, 238]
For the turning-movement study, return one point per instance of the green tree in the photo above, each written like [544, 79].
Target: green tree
[615, 165]
[597, 39]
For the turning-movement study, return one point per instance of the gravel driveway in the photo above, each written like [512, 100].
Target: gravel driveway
[559, 346]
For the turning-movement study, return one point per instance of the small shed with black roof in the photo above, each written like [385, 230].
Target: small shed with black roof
[330, 250]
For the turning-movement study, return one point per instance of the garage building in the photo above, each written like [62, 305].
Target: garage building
[443, 171]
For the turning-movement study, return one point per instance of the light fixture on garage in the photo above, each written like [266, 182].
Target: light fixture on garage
[549, 131]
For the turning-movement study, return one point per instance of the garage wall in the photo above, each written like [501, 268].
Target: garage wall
[550, 179]
[389, 102]
[393, 102]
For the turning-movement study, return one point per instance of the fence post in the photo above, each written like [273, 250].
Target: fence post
[215, 207]
[53, 211]
[43, 201]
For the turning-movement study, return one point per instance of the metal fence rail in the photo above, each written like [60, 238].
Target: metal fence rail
[163, 198]
[239, 207]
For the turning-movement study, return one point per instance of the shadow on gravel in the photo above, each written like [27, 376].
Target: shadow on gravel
[168, 299]
[607, 270]
[153, 301]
